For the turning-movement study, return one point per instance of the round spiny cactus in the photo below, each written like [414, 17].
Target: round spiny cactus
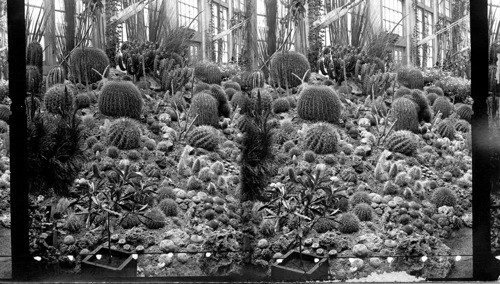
[284, 65]
[124, 133]
[230, 93]
[255, 79]
[446, 128]
[426, 114]
[204, 136]
[436, 90]
[363, 211]
[154, 218]
[443, 197]
[120, 98]
[403, 142]
[442, 105]
[280, 105]
[319, 103]
[82, 101]
[206, 108]
[232, 85]
[360, 197]
[5, 113]
[220, 95]
[416, 79]
[462, 126]
[168, 206]
[200, 86]
[265, 99]
[419, 98]
[431, 97]
[56, 75]
[349, 223]
[59, 98]
[321, 138]
[401, 92]
[208, 72]
[241, 100]
[83, 60]
[405, 111]
[465, 112]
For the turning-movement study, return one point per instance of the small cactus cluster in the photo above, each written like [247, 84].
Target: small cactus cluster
[124, 133]
[120, 98]
[284, 65]
[442, 105]
[321, 138]
[208, 72]
[319, 103]
[56, 75]
[465, 112]
[280, 105]
[83, 60]
[204, 136]
[59, 98]
[406, 114]
[403, 142]
[206, 109]
[446, 128]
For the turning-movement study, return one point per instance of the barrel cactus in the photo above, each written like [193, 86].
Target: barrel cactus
[200, 86]
[284, 65]
[220, 95]
[206, 108]
[33, 79]
[56, 75]
[462, 125]
[321, 138]
[436, 90]
[319, 103]
[419, 98]
[255, 79]
[403, 142]
[231, 84]
[401, 92]
[82, 101]
[416, 79]
[405, 111]
[265, 96]
[230, 92]
[120, 98]
[431, 97]
[241, 100]
[426, 114]
[280, 105]
[5, 113]
[442, 105]
[446, 128]
[34, 55]
[59, 98]
[465, 112]
[204, 136]
[208, 72]
[83, 60]
[124, 133]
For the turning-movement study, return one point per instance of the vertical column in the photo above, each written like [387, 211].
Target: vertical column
[435, 18]
[204, 22]
[50, 33]
[230, 36]
[408, 22]
[172, 11]
[375, 15]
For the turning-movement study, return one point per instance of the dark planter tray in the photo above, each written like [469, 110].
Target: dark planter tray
[288, 269]
[123, 265]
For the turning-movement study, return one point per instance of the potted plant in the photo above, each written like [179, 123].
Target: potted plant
[309, 203]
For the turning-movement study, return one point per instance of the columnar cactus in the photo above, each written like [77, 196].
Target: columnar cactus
[204, 136]
[319, 103]
[120, 98]
[59, 98]
[83, 60]
[34, 56]
[124, 133]
[284, 65]
[56, 75]
[173, 80]
[206, 107]
[446, 128]
[403, 142]
[321, 138]
[465, 112]
[443, 105]
[405, 111]
[33, 79]
[208, 72]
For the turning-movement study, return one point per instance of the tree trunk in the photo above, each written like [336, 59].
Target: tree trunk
[272, 13]
[251, 38]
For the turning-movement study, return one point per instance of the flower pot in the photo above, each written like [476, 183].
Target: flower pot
[122, 264]
[292, 268]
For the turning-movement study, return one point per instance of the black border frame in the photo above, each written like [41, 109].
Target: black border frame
[484, 264]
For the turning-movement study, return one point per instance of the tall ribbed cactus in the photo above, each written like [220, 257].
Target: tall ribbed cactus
[83, 60]
[321, 138]
[319, 103]
[206, 108]
[284, 65]
[120, 98]
[208, 72]
[124, 133]
[255, 79]
[33, 79]
[56, 75]
[204, 136]
[34, 55]
[446, 128]
[59, 99]
[443, 105]
[405, 111]
[403, 142]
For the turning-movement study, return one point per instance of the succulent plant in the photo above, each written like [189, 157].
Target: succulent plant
[442, 105]
[231, 85]
[168, 206]
[33, 80]
[416, 79]
[154, 218]
[462, 126]
[403, 142]
[241, 100]
[443, 196]
[208, 72]
[255, 79]
[360, 197]
[165, 192]
[363, 211]
[200, 86]
[83, 60]
[446, 128]
[267, 228]
[465, 112]
[230, 93]
[309, 156]
[324, 225]
[401, 92]
[194, 183]
[217, 168]
[436, 90]
[319, 103]
[120, 99]
[431, 97]
[280, 105]
[129, 221]
[82, 101]
[206, 108]
[5, 113]
[405, 111]
[349, 223]
[204, 136]
[56, 75]
[59, 99]
[284, 65]
[34, 55]
[124, 133]
[113, 152]
[73, 223]
[321, 138]
[220, 95]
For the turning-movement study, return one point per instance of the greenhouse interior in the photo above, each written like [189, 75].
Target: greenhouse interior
[255, 140]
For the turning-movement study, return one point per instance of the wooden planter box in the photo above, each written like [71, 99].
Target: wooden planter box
[289, 269]
[123, 264]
